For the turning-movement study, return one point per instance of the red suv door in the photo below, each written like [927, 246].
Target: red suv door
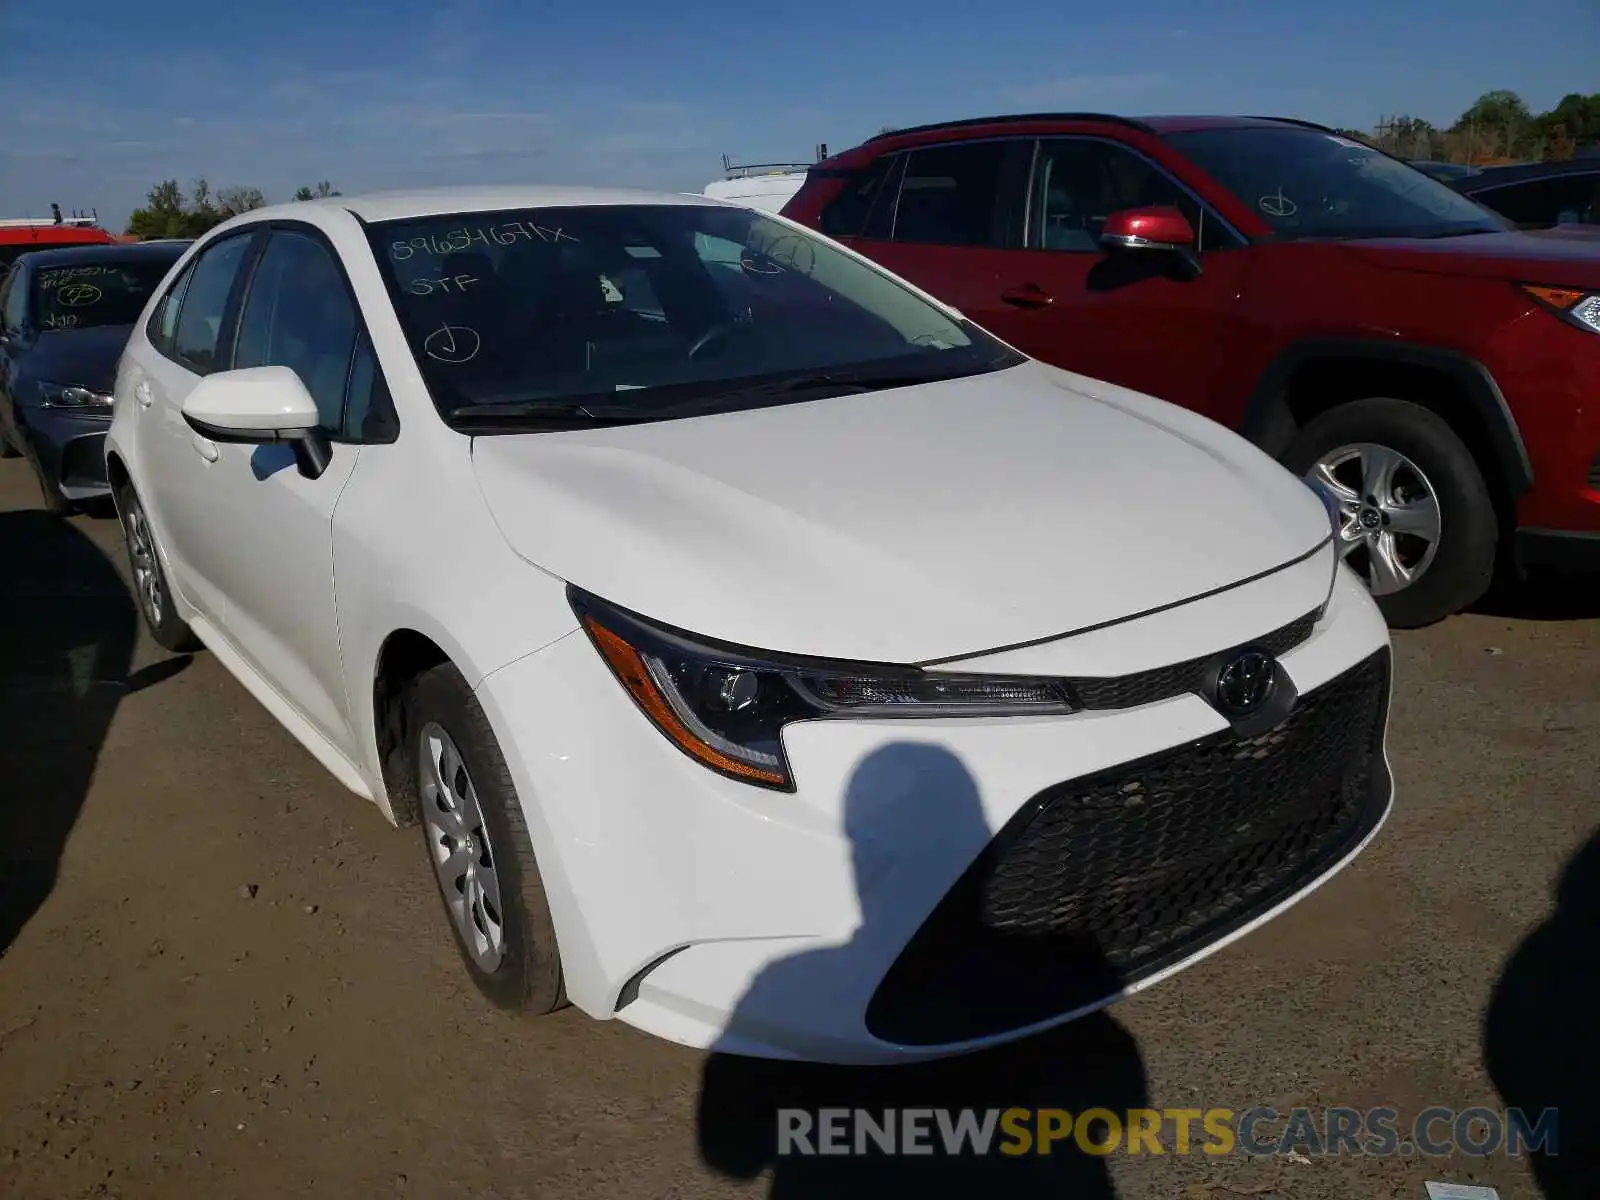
[947, 217]
[1137, 318]
[1008, 231]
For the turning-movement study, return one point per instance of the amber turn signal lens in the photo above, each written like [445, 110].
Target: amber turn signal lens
[1555, 297]
[635, 676]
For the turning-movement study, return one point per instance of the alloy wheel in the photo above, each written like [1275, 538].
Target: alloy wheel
[146, 570]
[1389, 519]
[459, 846]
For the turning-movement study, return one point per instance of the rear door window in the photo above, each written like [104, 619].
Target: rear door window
[950, 196]
[846, 215]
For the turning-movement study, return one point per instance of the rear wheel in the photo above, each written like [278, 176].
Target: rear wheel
[478, 847]
[1418, 524]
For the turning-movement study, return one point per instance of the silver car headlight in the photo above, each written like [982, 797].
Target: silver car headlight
[63, 395]
[726, 706]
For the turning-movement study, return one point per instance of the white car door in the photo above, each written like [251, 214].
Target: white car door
[268, 545]
[179, 345]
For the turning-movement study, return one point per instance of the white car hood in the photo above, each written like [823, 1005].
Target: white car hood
[904, 525]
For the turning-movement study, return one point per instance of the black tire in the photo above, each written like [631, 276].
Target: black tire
[162, 620]
[528, 976]
[8, 449]
[1464, 563]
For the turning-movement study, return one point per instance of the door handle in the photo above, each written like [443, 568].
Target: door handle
[143, 394]
[1029, 295]
[206, 448]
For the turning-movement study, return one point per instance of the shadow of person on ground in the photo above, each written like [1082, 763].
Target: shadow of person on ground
[1541, 1043]
[918, 799]
[67, 634]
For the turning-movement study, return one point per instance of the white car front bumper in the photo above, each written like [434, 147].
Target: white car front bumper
[721, 915]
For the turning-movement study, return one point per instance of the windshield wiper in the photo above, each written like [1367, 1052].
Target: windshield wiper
[538, 411]
[839, 383]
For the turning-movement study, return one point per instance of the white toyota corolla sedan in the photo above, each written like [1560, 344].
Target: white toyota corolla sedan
[771, 658]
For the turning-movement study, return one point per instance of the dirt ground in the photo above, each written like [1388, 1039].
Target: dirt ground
[223, 976]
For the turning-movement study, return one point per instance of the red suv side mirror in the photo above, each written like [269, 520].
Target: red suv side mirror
[1147, 229]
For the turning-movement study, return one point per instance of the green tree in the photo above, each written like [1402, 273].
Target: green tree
[168, 213]
[321, 192]
[235, 200]
[164, 214]
[1573, 123]
[1409, 137]
[1498, 124]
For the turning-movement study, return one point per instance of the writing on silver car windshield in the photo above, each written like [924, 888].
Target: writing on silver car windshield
[83, 297]
[653, 310]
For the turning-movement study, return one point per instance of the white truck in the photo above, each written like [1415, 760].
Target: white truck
[765, 186]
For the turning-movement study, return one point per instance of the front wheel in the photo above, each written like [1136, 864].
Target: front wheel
[1417, 523]
[478, 847]
[149, 579]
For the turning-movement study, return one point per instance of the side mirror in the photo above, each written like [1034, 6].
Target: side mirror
[260, 406]
[1147, 229]
[1160, 230]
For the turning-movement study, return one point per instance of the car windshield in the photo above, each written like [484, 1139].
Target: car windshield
[1308, 184]
[628, 313]
[98, 293]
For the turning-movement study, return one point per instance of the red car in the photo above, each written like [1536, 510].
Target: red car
[19, 235]
[1433, 371]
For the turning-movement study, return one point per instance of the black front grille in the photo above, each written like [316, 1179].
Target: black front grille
[1162, 683]
[1103, 880]
[1594, 472]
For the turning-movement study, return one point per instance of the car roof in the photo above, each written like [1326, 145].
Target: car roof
[50, 235]
[1147, 124]
[1191, 124]
[1488, 177]
[75, 256]
[446, 201]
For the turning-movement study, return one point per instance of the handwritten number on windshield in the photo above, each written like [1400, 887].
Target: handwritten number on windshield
[462, 239]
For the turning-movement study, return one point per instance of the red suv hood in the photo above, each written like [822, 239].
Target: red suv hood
[1572, 262]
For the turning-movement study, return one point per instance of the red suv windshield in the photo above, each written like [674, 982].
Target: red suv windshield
[1309, 184]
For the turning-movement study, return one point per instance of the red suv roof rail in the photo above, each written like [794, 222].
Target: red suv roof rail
[1012, 118]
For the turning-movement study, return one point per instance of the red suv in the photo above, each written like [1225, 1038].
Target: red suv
[1433, 371]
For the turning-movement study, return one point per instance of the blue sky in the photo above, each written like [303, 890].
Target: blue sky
[105, 99]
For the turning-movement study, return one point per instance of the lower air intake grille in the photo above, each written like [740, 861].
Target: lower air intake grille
[1594, 472]
[1101, 881]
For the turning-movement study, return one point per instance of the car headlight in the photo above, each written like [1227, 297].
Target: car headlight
[726, 707]
[62, 395]
[1572, 305]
